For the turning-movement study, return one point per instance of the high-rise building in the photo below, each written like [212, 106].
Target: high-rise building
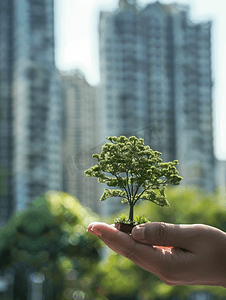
[81, 138]
[31, 126]
[220, 175]
[156, 83]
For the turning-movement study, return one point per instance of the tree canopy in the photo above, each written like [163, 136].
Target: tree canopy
[136, 169]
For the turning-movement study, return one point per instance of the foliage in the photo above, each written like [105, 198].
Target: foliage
[118, 276]
[140, 219]
[136, 169]
[78, 268]
[50, 236]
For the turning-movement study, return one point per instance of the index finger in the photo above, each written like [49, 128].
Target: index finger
[147, 257]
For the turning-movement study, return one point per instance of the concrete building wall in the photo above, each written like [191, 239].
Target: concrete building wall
[156, 83]
[81, 138]
[32, 123]
[220, 177]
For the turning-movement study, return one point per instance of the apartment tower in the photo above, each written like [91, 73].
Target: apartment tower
[156, 83]
[31, 126]
[81, 138]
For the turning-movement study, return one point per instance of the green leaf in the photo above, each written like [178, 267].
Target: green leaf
[124, 200]
[160, 199]
[132, 166]
[140, 219]
[112, 193]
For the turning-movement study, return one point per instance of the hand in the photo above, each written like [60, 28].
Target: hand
[190, 254]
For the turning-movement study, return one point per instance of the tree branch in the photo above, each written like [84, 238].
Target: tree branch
[143, 192]
[127, 180]
[124, 189]
[137, 188]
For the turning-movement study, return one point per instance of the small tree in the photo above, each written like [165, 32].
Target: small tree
[136, 169]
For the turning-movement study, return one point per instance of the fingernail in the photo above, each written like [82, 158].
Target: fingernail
[94, 232]
[138, 232]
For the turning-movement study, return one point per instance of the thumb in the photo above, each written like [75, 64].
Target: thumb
[164, 234]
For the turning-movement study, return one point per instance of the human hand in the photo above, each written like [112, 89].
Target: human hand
[190, 254]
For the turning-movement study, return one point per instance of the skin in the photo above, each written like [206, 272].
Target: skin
[177, 254]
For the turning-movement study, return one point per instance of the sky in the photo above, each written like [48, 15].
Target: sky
[76, 46]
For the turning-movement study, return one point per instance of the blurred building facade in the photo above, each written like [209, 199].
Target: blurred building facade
[81, 138]
[220, 175]
[31, 126]
[156, 83]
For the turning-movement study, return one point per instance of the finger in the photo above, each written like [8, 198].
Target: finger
[155, 260]
[95, 228]
[119, 241]
[169, 265]
[169, 235]
[123, 243]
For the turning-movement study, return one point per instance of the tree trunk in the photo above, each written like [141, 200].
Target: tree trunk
[131, 212]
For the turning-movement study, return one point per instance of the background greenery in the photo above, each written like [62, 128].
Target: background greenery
[50, 237]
